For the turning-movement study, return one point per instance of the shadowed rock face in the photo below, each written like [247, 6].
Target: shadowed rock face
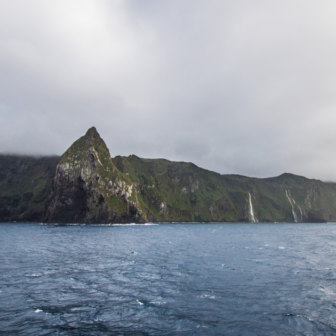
[83, 186]
[25, 183]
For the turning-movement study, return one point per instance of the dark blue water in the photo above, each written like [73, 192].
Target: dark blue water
[178, 279]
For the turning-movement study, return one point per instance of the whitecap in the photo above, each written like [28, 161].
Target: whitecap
[34, 275]
[281, 247]
[212, 297]
[134, 224]
[131, 224]
[140, 303]
[38, 310]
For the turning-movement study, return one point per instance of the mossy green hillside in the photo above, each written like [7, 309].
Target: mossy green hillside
[178, 191]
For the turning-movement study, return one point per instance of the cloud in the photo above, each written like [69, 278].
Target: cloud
[236, 87]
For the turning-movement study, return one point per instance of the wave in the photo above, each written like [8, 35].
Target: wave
[109, 224]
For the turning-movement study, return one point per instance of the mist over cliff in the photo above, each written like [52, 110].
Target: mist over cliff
[237, 87]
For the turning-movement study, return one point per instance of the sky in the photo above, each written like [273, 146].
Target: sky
[239, 86]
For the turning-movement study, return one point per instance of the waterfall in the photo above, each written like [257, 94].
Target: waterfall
[292, 202]
[253, 218]
[298, 207]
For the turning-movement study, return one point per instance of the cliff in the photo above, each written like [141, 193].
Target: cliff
[88, 188]
[25, 183]
[86, 185]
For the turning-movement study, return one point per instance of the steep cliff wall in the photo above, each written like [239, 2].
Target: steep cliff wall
[178, 191]
[87, 187]
[25, 183]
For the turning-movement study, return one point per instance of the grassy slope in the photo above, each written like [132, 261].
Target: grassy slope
[223, 197]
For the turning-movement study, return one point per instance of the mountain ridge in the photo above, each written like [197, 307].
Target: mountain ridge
[86, 185]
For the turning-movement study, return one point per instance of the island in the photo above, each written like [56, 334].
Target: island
[86, 185]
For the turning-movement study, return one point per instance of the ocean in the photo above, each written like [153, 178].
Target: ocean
[168, 279]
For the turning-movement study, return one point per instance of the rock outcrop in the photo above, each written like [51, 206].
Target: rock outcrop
[87, 187]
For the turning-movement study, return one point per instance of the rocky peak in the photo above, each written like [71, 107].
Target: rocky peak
[86, 183]
[85, 146]
[92, 131]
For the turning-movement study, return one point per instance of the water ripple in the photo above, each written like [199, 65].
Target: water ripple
[181, 279]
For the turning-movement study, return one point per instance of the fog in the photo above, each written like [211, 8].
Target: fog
[233, 86]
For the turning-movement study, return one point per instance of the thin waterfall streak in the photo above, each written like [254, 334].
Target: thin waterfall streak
[298, 207]
[253, 217]
[292, 204]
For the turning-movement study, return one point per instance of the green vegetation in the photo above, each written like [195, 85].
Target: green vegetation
[194, 194]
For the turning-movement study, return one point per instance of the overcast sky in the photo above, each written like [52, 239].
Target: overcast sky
[246, 87]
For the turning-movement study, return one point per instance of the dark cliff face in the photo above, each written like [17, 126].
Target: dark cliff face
[25, 183]
[86, 184]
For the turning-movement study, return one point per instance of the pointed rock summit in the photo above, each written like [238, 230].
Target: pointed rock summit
[90, 143]
[91, 132]
[88, 188]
